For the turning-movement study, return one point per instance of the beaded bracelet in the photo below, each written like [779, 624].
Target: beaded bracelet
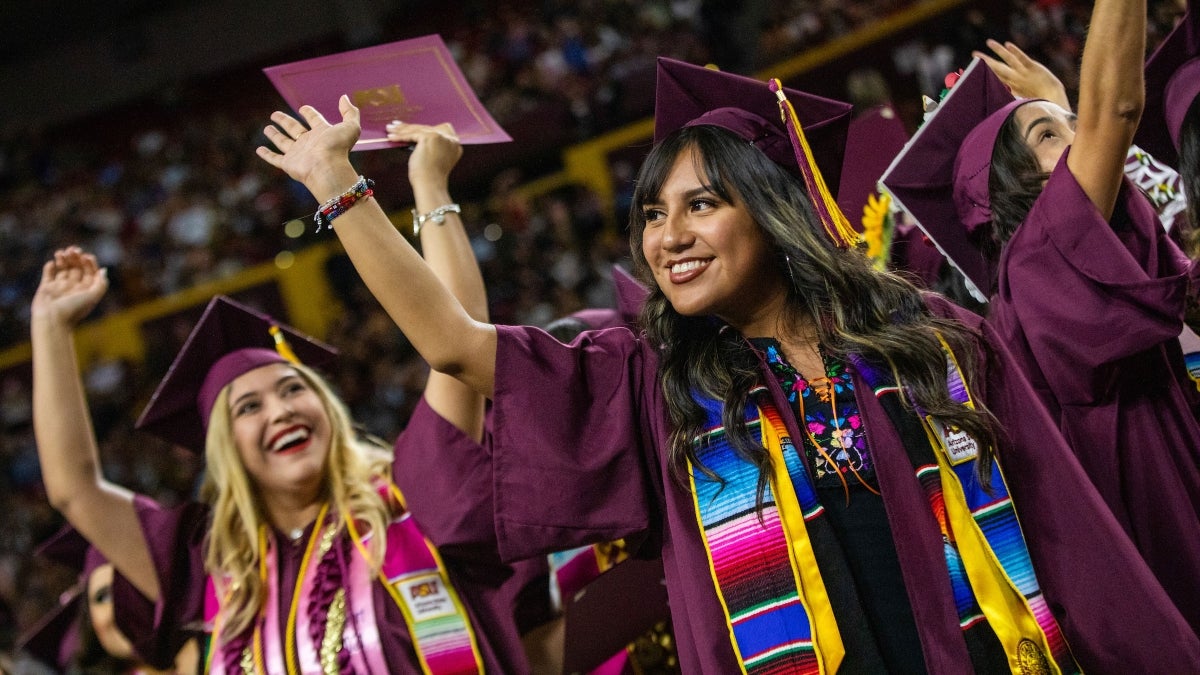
[340, 204]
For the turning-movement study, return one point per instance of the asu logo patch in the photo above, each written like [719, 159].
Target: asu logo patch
[426, 596]
[424, 589]
[958, 445]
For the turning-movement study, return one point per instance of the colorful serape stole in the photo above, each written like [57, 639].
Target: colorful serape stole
[990, 569]
[416, 578]
[1192, 361]
[764, 569]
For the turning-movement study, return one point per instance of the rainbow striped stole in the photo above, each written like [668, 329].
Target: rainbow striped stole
[762, 562]
[991, 573]
[416, 578]
[1192, 361]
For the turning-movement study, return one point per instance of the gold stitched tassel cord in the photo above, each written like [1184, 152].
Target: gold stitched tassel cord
[281, 344]
[837, 226]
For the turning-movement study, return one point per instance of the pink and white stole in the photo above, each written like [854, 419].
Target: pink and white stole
[414, 576]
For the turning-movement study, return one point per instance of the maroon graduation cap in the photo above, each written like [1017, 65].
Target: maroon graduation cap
[875, 138]
[809, 142]
[229, 340]
[54, 638]
[941, 176]
[1172, 84]
[613, 610]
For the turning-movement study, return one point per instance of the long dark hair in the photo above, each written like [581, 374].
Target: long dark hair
[1014, 184]
[856, 309]
[1189, 171]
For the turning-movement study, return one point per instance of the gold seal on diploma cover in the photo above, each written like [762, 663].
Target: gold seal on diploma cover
[384, 103]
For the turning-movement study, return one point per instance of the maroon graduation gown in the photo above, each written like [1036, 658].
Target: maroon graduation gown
[446, 479]
[176, 538]
[1092, 312]
[580, 455]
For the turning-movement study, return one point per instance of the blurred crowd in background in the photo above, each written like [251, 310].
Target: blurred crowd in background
[168, 193]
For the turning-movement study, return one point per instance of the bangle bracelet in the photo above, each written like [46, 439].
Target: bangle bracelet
[437, 215]
[338, 205]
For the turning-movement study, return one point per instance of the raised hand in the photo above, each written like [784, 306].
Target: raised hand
[314, 152]
[436, 150]
[71, 286]
[1024, 76]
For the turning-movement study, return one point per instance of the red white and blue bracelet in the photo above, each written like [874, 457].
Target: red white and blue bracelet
[340, 204]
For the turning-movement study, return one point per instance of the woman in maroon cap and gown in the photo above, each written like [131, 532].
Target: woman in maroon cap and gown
[81, 634]
[1091, 294]
[813, 446]
[1170, 127]
[307, 560]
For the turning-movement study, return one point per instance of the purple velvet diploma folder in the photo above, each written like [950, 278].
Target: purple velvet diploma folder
[413, 81]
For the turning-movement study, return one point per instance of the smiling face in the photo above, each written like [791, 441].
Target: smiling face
[281, 430]
[100, 608]
[708, 255]
[1047, 130]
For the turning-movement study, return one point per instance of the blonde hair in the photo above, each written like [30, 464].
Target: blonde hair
[353, 468]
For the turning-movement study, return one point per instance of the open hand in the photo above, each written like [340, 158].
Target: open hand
[436, 150]
[71, 287]
[1024, 76]
[314, 152]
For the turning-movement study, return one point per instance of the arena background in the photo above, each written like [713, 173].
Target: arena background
[129, 128]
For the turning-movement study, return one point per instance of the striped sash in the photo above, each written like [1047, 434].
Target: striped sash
[763, 566]
[990, 569]
[767, 577]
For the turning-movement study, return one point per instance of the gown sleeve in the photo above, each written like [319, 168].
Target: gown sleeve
[1081, 293]
[1096, 583]
[571, 440]
[446, 479]
[175, 537]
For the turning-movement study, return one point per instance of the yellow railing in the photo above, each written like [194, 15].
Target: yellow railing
[311, 306]
[303, 285]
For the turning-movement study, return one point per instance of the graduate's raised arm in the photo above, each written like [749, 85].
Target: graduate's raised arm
[316, 153]
[71, 286]
[447, 250]
[1111, 97]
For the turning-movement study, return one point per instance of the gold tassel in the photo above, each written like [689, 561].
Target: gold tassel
[281, 344]
[840, 230]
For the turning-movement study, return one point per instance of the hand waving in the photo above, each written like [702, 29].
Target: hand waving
[317, 155]
[72, 284]
[1024, 76]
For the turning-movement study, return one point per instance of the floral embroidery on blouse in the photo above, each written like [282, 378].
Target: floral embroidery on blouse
[831, 417]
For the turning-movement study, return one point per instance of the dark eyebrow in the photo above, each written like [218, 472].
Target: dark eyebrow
[1041, 120]
[1072, 118]
[687, 196]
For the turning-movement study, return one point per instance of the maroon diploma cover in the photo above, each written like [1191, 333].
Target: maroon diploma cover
[413, 81]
